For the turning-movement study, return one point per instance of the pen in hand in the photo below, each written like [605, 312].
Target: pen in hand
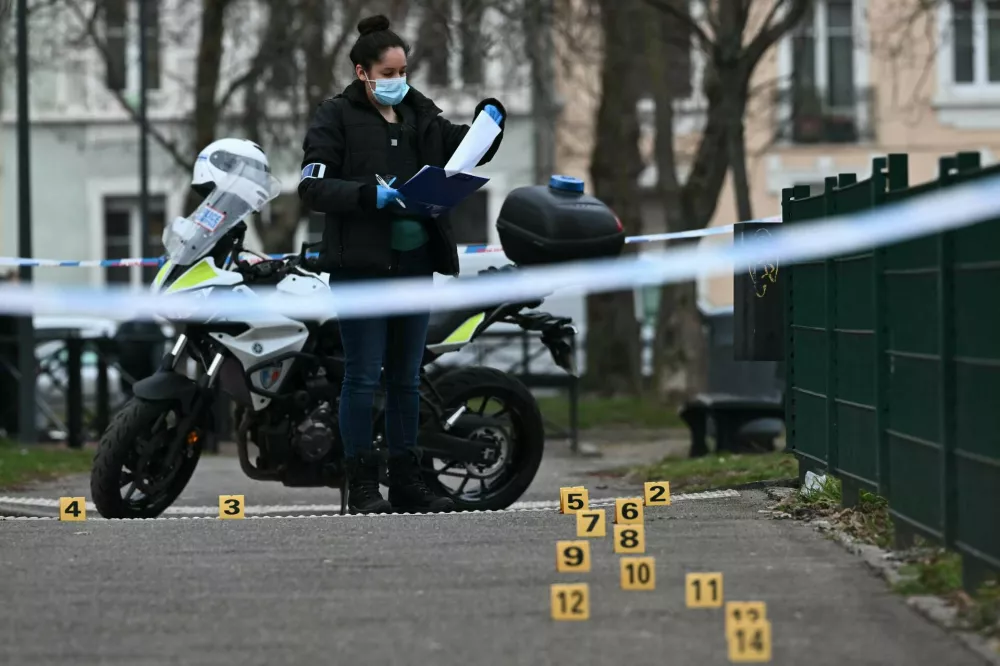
[381, 181]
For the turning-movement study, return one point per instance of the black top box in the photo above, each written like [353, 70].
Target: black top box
[558, 223]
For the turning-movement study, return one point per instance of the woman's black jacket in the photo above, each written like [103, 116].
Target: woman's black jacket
[346, 145]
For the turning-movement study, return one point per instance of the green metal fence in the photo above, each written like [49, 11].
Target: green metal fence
[893, 364]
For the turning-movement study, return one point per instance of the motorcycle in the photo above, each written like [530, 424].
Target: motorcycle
[481, 432]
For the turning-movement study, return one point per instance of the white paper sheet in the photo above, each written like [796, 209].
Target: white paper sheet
[475, 144]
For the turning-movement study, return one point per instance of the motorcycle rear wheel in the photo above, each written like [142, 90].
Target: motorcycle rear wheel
[525, 438]
[139, 423]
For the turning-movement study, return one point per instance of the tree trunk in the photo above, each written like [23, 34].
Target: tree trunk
[680, 352]
[537, 22]
[613, 346]
[319, 73]
[206, 108]
[737, 148]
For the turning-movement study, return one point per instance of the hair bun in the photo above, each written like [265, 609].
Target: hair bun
[372, 24]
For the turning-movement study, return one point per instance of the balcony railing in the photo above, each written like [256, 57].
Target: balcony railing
[806, 116]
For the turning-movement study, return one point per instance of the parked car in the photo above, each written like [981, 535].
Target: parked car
[53, 357]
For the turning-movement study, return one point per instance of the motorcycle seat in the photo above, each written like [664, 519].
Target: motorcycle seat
[444, 324]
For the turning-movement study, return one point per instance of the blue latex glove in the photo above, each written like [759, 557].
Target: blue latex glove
[493, 112]
[386, 196]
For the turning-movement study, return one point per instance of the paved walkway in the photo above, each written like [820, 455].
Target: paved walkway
[442, 590]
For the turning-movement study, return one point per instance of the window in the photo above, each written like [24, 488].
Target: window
[122, 233]
[470, 218]
[115, 14]
[824, 102]
[975, 42]
[120, 36]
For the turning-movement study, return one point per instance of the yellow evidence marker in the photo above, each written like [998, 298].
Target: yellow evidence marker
[630, 539]
[231, 507]
[591, 523]
[703, 590]
[750, 643]
[657, 493]
[73, 509]
[573, 556]
[744, 614]
[570, 601]
[628, 511]
[638, 573]
[573, 499]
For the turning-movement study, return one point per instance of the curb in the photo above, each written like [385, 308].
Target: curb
[792, 482]
[931, 608]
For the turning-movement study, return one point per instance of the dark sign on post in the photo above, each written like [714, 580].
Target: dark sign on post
[758, 304]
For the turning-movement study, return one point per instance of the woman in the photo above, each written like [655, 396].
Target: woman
[379, 131]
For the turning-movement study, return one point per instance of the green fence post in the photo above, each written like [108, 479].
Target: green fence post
[898, 178]
[946, 359]
[967, 161]
[849, 489]
[974, 571]
[830, 288]
[787, 195]
[789, 214]
[877, 191]
[904, 537]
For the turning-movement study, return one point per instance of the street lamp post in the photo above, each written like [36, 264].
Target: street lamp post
[25, 330]
[144, 126]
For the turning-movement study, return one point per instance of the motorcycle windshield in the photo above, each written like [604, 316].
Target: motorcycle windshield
[244, 190]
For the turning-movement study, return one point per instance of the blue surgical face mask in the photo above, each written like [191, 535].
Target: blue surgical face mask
[389, 92]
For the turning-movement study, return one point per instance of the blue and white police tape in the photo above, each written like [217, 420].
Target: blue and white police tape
[463, 249]
[944, 210]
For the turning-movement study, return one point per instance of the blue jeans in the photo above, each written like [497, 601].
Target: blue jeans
[397, 344]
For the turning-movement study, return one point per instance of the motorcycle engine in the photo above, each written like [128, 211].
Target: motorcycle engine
[315, 436]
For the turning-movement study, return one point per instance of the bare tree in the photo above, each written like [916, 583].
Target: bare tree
[613, 351]
[731, 59]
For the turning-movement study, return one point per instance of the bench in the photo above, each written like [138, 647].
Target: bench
[741, 424]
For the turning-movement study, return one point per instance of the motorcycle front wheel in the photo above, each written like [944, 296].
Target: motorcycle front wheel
[132, 476]
[518, 430]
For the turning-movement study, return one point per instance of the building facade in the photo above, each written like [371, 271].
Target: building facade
[855, 80]
[85, 141]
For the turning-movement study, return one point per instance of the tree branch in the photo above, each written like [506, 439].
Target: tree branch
[240, 82]
[169, 146]
[770, 34]
[352, 16]
[667, 7]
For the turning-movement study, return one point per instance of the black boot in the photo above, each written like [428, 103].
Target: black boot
[363, 495]
[408, 492]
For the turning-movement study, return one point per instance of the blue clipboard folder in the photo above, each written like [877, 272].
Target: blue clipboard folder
[432, 191]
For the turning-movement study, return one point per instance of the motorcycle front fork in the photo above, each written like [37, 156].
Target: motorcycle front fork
[172, 357]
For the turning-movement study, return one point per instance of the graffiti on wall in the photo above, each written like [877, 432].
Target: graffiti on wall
[763, 273]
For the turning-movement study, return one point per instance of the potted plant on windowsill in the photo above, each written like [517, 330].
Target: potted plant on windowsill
[842, 128]
[807, 116]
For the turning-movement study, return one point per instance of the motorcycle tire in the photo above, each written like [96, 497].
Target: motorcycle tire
[117, 445]
[460, 385]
